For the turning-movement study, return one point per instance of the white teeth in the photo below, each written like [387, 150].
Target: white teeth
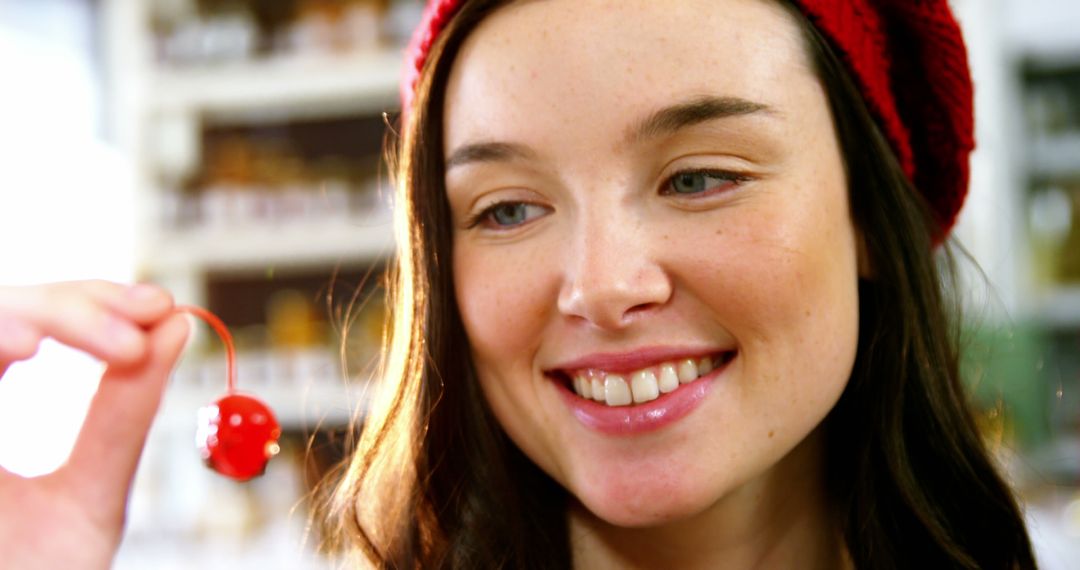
[687, 371]
[643, 385]
[616, 392]
[597, 389]
[583, 387]
[669, 379]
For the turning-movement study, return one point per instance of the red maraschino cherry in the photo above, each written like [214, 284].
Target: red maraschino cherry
[237, 434]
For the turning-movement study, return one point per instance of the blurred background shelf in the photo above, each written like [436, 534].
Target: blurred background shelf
[255, 130]
[303, 406]
[296, 86]
[262, 247]
[1055, 155]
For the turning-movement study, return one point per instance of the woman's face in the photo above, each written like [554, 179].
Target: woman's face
[637, 186]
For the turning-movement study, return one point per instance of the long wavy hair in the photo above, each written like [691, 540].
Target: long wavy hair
[435, 483]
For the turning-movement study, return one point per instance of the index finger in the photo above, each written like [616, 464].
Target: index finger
[75, 315]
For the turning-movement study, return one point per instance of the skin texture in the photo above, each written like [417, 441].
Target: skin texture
[74, 517]
[609, 259]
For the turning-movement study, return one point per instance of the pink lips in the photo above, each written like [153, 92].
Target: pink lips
[641, 418]
[630, 361]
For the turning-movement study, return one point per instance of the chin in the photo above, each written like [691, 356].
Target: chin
[632, 507]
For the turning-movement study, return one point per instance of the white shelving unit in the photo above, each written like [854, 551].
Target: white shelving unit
[1040, 33]
[157, 113]
[146, 96]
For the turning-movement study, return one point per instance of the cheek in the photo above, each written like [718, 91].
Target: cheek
[504, 302]
[784, 284]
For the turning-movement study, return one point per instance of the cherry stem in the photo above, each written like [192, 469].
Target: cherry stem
[226, 337]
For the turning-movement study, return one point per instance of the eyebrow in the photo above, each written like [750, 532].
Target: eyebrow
[665, 121]
[488, 152]
[699, 110]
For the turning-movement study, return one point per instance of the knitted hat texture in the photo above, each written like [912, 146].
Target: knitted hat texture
[907, 57]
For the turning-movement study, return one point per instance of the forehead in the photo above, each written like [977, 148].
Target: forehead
[559, 68]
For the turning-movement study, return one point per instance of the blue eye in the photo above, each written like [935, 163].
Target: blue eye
[509, 214]
[699, 182]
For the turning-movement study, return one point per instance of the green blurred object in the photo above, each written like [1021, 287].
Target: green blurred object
[1006, 368]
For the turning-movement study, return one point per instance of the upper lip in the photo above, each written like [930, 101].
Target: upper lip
[634, 359]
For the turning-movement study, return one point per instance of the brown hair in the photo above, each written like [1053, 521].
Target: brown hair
[913, 480]
[435, 483]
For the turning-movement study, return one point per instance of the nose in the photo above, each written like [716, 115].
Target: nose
[612, 275]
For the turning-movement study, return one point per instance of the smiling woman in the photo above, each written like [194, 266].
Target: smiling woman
[673, 290]
[667, 296]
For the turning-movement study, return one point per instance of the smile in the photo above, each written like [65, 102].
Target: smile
[643, 385]
[633, 394]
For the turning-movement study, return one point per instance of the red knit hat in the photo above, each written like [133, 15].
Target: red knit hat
[907, 57]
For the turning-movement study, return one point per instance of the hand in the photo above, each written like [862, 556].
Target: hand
[74, 517]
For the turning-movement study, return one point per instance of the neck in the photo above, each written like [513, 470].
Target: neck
[781, 519]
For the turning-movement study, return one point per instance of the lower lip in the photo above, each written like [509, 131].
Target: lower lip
[640, 418]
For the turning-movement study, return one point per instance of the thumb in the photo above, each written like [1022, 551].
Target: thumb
[106, 453]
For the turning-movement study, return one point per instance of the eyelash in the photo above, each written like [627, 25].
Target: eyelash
[486, 213]
[733, 177]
